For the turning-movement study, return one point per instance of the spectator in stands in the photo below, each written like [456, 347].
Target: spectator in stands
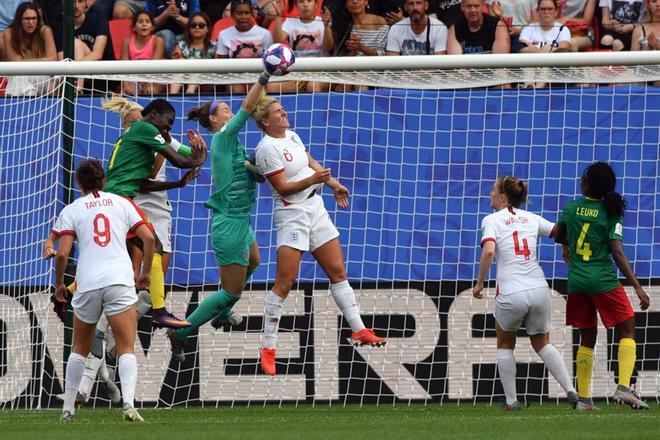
[368, 32]
[578, 15]
[142, 45]
[195, 44]
[101, 7]
[7, 13]
[91, 35]
[515, 14]
[243, 40]
[267, 10]
[447, 11]
[418, 34]
[28, 39]
[308, 36]
[619, 19]
[646, 35]
[171, 18]
[477, 32]
[546, 35]
[127, 8]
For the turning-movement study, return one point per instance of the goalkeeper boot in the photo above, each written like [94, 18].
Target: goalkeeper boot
[131, 414]
[234, 319]
[268, 361]
[176, 346]
[66, 417]
[168, 320]
[367, 337]
[585, 404]
[514, 407]
[628, 396]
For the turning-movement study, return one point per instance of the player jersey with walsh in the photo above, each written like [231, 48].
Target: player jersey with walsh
[133, 158]
[100, 222]
[515, 233]
[235, 187]
[589, 232]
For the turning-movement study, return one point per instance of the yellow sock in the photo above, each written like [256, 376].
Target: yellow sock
[627, 357]
[584, 361]
[157, 288]
[72, 287]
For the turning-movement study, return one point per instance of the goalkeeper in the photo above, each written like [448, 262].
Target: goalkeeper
[231, 203]
[131, 163]
[590, 229]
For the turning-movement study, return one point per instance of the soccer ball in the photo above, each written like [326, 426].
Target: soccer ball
[278, 58]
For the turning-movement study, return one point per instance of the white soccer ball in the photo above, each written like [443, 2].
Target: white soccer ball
[278, 58]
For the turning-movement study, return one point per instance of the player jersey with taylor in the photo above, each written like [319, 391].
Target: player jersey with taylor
[589, 232]
[515, 233]
[100, 222]
[133, 158]
[287, 155]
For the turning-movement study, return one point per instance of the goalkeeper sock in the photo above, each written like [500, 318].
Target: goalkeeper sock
[555, 365]
[75, 367]
[627, 356]
[506, 367]
[272, 315]
[584, 362]
[157, 289]
[344, 297]
[128, 377]
[206, 311]
[92, 365]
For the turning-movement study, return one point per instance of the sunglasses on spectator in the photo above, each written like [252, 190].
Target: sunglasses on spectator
[198, 25]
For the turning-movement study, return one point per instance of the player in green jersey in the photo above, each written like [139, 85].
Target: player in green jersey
[591, 231]
[231, 202]
[131, 163]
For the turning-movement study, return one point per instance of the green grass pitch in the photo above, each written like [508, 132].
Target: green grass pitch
[538, 422]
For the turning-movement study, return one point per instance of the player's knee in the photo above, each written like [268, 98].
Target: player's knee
[121, 10]
[539, 341]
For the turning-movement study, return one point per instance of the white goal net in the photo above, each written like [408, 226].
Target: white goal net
[419, 146]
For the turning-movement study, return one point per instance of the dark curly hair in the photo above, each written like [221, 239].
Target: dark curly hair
[90, 175]
[599, 182]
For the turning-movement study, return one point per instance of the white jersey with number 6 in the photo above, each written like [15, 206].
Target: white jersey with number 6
[100, 221]
[515, 232]
[287, 155]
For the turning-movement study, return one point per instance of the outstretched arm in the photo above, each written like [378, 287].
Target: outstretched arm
[149, 185]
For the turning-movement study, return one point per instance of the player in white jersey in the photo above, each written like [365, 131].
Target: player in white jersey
[302, 224]
[523, 296]
[99, 221]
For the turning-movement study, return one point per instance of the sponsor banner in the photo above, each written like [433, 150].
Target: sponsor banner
[441, 347]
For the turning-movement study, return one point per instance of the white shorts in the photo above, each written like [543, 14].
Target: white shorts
[305, 226]
[111, 300]
[162, 221]
[531, 307]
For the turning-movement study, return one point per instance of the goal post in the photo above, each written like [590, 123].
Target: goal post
[419, 147]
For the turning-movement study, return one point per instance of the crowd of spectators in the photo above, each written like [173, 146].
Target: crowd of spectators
[164, 29]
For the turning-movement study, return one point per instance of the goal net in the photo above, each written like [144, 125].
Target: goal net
[419, 147]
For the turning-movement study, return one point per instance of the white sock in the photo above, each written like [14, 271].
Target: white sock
[92, 364]
[272, 315]
[74, 371]
[344, 297]
[128, 377]
[506, 367]
[555, 365]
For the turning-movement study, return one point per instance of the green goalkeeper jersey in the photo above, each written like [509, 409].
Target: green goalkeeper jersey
[133, 158]
[234, 185]
[588, 232]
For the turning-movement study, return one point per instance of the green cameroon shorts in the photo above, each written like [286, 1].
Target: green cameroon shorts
[232, 238]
